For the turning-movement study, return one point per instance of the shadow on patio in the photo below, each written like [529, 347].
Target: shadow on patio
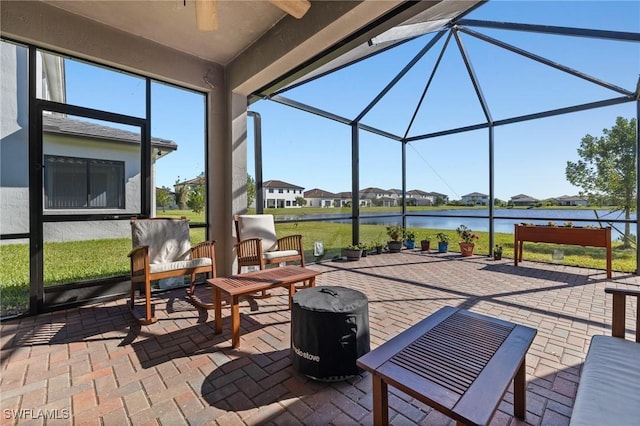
[96, 365]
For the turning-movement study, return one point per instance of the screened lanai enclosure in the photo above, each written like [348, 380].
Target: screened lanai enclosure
[476, 121]
[427, 115]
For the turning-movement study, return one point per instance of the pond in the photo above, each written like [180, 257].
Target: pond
[451, 219]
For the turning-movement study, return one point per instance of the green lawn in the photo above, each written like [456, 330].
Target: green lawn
[86, 260]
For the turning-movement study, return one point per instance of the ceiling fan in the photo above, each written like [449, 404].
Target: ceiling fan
[207, 12]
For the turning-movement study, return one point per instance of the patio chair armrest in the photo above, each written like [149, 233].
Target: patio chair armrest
[249, 249]
[290, 242]
[618, 321]
[204, 249]
[139, 260]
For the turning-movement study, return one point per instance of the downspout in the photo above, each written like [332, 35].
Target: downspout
[257, 138]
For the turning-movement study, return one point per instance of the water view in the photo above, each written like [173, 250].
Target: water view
[505, 219]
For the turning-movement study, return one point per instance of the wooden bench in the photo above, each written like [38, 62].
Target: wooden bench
[253, 282]
[609, 388]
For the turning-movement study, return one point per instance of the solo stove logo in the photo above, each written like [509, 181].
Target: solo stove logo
[305, 355]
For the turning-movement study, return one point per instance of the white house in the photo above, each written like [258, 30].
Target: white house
[523, 200]
[279, 194]
[378, 197]
[418, 197]
[320, 198]
[475, 199]
[571, 200]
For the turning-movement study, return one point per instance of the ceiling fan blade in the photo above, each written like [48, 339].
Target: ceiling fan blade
[207, 15]
[295, 8]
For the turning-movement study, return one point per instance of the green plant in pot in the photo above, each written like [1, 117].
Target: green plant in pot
[395, 232]
[410, 240]
[352, 252]
[497, 252]
[376, 246]
[425, 243]
[443, 242]
[467, 239]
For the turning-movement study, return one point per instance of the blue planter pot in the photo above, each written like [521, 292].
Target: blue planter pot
[443, 247]
[410, 244]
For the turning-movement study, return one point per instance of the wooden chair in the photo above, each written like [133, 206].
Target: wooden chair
[162, 249]
[259, 246]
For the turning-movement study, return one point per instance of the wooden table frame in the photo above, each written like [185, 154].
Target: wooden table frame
[252, 282]
[458, 362]
[581, 236]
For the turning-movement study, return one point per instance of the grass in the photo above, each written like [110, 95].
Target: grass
[76, 261]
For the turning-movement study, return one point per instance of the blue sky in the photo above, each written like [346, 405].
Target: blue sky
[314, 152]
[530, 157]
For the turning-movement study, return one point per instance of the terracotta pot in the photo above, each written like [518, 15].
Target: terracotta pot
[466, 249]
[424, 245]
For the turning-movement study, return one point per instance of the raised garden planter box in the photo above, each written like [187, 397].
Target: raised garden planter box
[591, 237]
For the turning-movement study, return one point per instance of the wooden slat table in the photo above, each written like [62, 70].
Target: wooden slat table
[458, 362]
[252, 282]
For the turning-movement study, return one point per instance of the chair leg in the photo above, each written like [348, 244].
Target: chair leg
[148, 316]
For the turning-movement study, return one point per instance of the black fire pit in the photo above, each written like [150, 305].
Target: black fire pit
[329, 332]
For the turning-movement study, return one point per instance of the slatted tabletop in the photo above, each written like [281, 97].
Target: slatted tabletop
[456, 361]
[260, 280]
[252, 282]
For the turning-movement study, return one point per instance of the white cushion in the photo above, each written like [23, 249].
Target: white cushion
[259, 226]
[181, 264]
[281, 253]
[609, 388]
[168, 239]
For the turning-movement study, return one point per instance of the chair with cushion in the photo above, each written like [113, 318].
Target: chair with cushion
[259, 246]
[162, 249]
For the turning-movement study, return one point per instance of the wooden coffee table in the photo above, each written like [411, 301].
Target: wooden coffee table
[458, 362]
[252, 282]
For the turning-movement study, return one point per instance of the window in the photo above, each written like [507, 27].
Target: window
[82, 183]
[280, 191]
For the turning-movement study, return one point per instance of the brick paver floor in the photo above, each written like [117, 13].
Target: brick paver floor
[93, 365]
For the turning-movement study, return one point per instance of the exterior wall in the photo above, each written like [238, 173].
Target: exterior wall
[14, 141]
[76, 147]
[41, 24]
[319, 202]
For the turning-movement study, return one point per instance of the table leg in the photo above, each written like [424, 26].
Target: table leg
[312, 282]
[520, 391]
[380, 401]
[292, 291]
[235, 322]
[217, 295]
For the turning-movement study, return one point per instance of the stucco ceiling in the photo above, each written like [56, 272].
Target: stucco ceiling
[172, 23]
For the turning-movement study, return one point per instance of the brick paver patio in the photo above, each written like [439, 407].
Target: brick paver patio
[92, 365]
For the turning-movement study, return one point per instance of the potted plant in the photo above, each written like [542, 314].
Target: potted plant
[395, 232]
[443, 242]
[467, 237]
[497, 253]
[410, 240]
[425, 243]
[352, 252]
[365, 249]
[376, 247]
